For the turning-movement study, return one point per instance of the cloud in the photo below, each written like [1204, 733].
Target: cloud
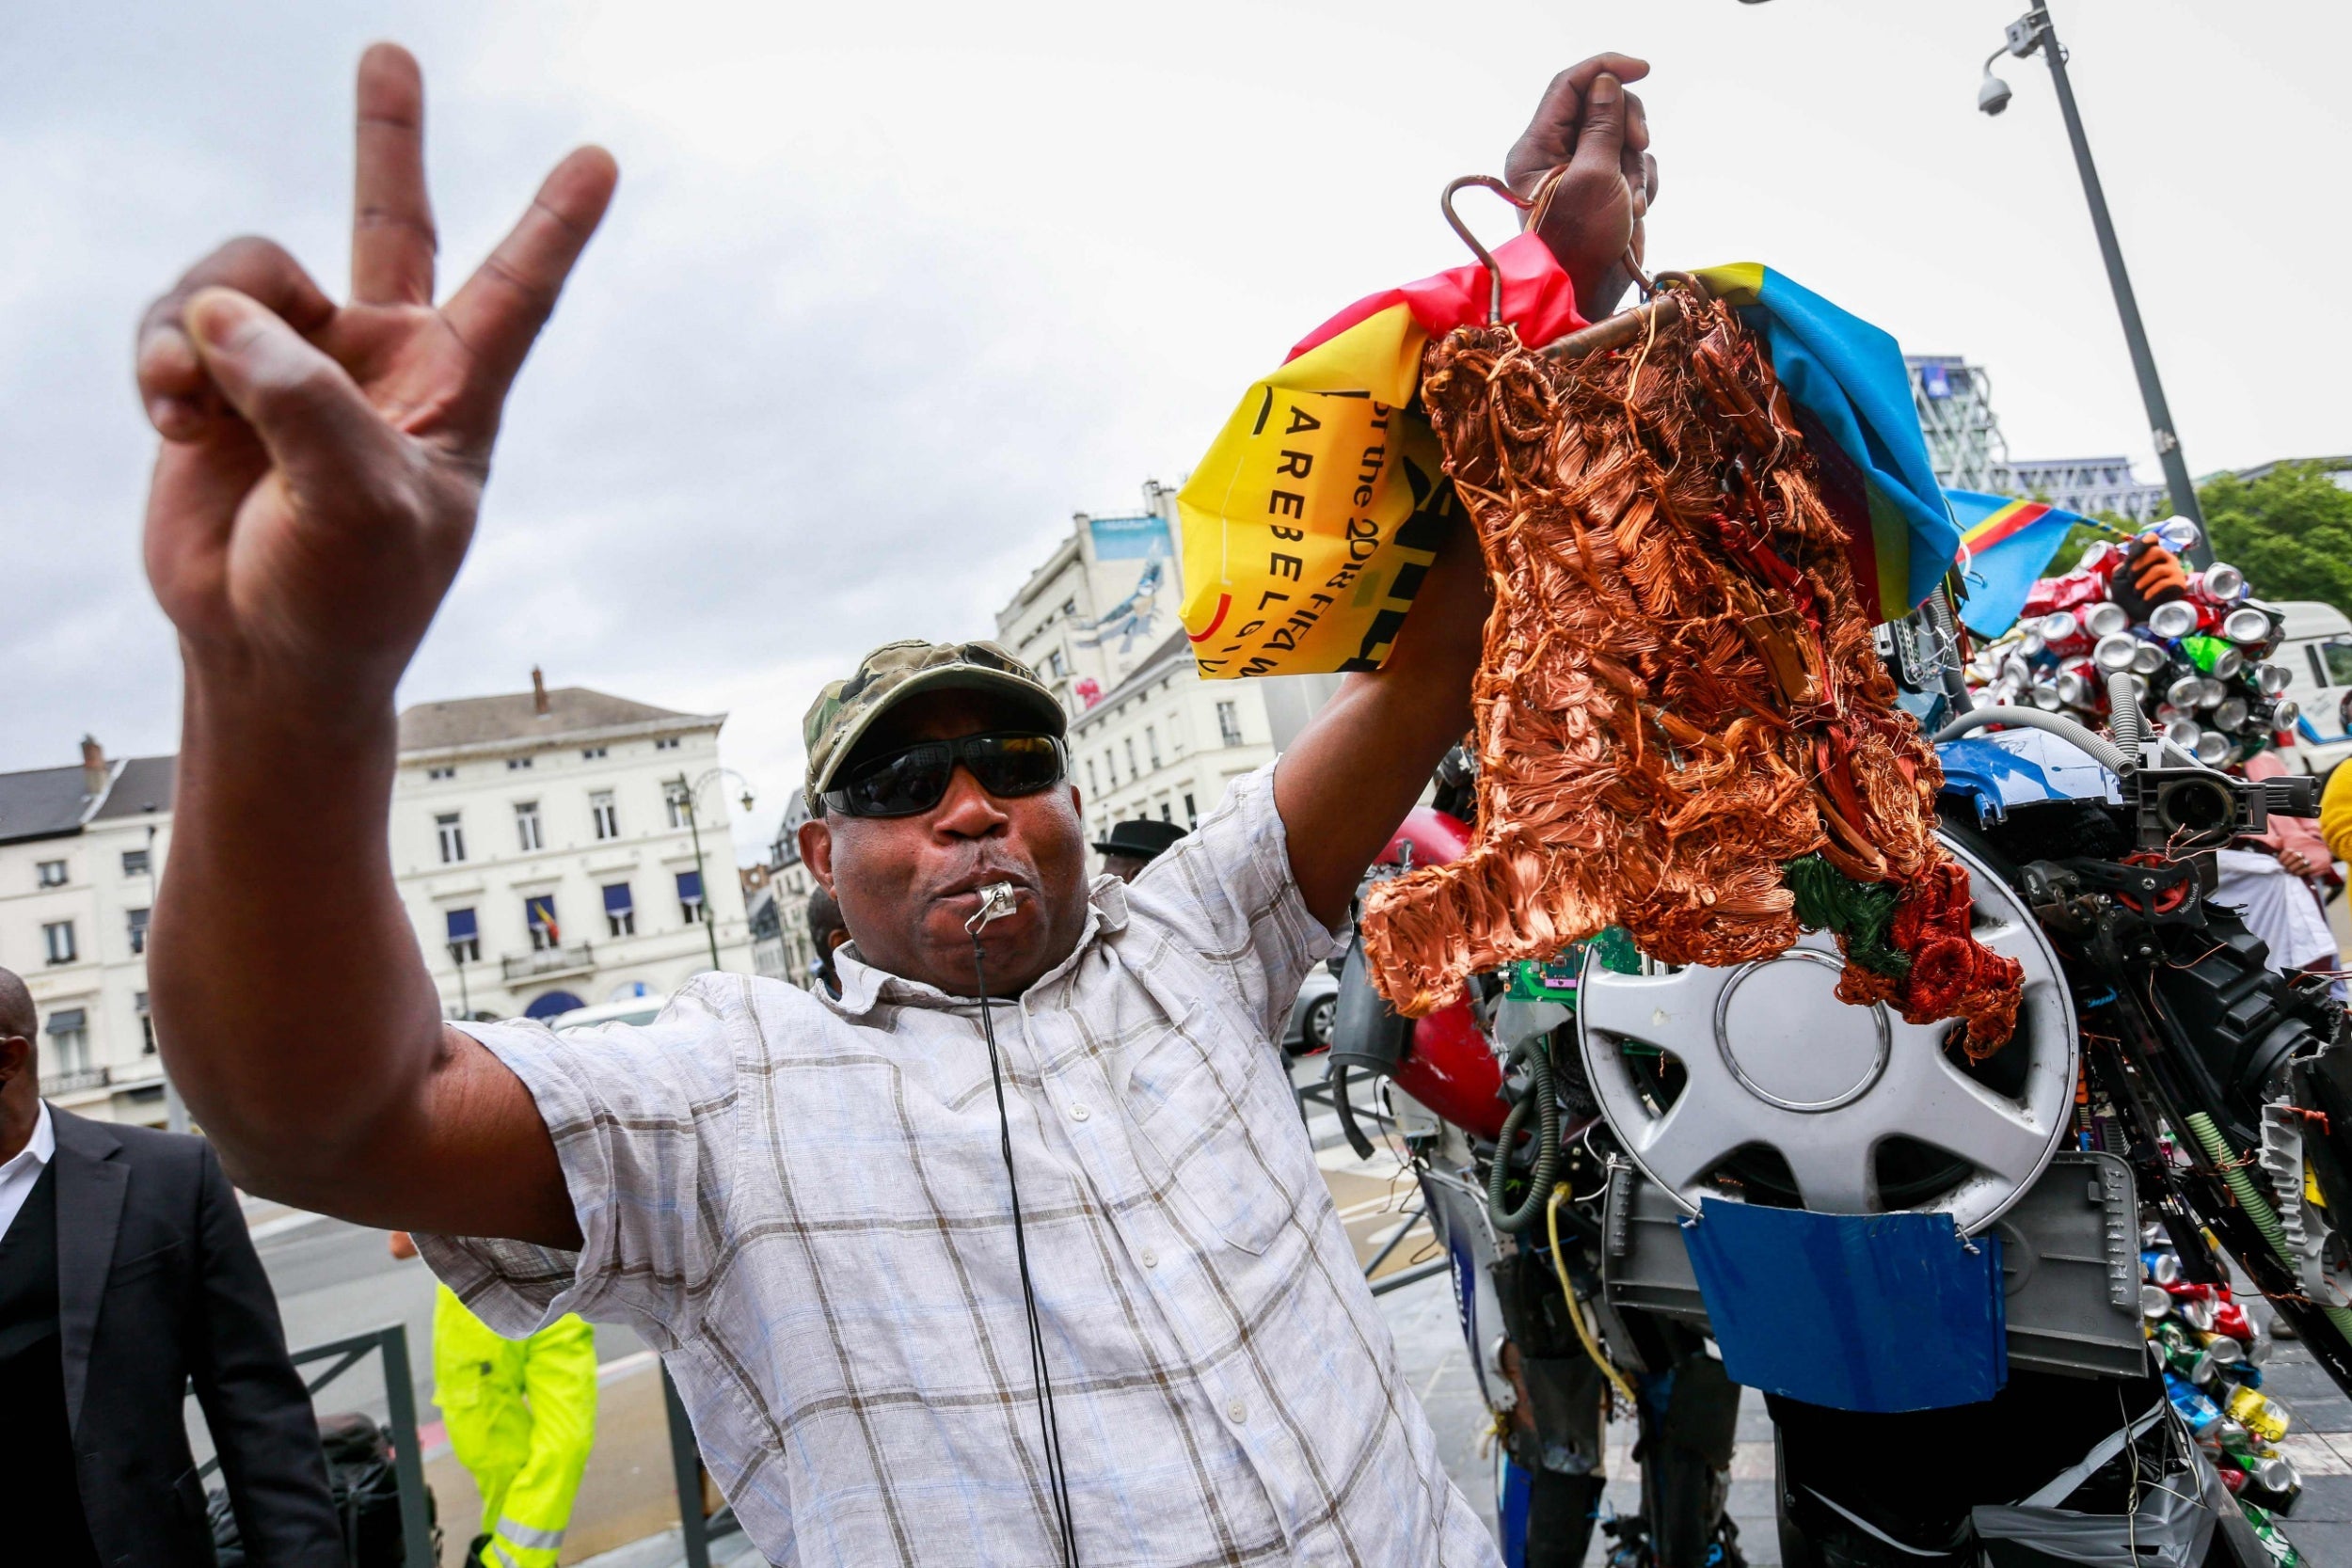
[889, 292]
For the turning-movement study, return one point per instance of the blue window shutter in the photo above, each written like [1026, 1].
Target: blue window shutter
[616, 899]
[462, 927]
[689, 887]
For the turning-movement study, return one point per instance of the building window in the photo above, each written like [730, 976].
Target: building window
[50, 873]
[465, 936]
[667, 743]
[1110, 766]
[527, 826]
[1133, 771]
[1175, 738]
[1192, 818]
[1228, 723]
[690, 896]
[539, 914]
[69, 1041]
[1092, 787]
[146, 1023]
[592, 753]
[620, 911]
[138, 931]
[604, 813]
[452, 836]
[1056, 663]
[515, 765]
[57, 937]
[134, 862]
[438, 774]
[1151, 744]
[1168, 812]
[675, 800]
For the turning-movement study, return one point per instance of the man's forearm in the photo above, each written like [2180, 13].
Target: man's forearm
[1350, 778]
[292, 1006]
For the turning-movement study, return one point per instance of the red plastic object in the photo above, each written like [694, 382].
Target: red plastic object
[1451, 1070]
[1449, 1066]
[1435, 838]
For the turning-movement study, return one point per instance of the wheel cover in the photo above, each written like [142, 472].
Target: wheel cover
[1770, 1057]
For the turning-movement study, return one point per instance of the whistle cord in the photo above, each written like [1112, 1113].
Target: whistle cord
[1048, 1422]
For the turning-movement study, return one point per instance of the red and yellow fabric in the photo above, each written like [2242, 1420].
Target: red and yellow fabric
[1310, 523]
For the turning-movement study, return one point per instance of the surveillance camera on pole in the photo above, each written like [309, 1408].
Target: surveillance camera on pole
[2029, 34]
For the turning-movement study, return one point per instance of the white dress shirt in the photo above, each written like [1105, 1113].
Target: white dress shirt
[801, 1202]
[18, 1176]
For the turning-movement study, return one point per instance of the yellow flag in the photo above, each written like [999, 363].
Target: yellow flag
[1310, 523]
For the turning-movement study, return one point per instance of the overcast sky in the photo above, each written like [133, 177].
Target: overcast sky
[890, 291]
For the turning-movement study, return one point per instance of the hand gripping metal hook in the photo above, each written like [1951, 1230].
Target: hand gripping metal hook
[1485, 257]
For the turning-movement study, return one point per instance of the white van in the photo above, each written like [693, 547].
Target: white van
[2317, 653]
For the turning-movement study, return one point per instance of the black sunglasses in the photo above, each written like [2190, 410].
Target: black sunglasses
[914, 779]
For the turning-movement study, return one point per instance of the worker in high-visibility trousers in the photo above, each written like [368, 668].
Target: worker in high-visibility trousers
[521, 1416]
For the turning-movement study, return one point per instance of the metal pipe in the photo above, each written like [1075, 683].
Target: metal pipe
[2160, 431]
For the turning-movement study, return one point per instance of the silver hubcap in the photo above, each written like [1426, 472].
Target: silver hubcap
[1772, 1057]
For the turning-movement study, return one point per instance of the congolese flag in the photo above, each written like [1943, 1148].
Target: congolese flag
[2008, 543]
[1852, 393]
[1309, 523]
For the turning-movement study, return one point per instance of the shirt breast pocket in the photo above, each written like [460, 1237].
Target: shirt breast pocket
[1192, 1096]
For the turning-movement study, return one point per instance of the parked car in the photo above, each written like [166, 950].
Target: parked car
[1309, 1026]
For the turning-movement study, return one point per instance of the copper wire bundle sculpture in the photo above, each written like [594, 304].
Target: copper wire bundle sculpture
[1682, 726]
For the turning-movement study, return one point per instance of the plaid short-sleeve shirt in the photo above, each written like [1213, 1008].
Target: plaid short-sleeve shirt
[800, 1202]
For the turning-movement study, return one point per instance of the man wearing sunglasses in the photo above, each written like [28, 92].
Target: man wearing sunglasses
[805, 1202]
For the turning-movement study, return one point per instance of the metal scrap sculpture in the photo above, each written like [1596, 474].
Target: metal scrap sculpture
[1683, 728]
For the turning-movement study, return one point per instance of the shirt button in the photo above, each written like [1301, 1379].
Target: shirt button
[1078, 1111]
[1238, 1411]
[1150, 1258]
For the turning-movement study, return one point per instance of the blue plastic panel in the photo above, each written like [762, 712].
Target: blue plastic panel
[1877, 1312]
[2021, 767]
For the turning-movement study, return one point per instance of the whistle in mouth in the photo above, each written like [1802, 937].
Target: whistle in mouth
[995, 903]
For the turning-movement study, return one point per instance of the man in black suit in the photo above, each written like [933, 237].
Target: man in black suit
[126, 1270]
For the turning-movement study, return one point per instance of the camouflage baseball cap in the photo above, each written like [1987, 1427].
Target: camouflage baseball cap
[845, 711]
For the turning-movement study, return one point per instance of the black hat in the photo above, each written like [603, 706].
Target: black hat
[1143, 839]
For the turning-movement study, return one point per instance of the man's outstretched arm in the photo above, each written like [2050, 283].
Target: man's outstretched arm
[1348, 781]
[320, 474]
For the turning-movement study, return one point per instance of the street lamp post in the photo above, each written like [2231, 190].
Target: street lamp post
[686, 793]
[2026, 34]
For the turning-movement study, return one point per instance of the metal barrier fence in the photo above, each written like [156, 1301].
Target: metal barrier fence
[698, 1529]
[400, 1399]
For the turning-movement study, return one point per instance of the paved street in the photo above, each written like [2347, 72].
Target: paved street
[335, 1279]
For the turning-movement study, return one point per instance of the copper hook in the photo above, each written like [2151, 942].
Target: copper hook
[1485, 257]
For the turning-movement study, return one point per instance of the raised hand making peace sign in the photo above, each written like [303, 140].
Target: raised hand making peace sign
[323, 464]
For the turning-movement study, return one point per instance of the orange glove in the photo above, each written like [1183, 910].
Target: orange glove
[2150, 576]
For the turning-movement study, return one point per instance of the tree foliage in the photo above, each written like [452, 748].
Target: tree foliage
[2290, 531]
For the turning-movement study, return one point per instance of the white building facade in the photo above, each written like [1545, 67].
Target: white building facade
[81, 849]
[545, 845]
[1148, 736]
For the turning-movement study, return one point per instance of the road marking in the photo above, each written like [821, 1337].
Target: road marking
[282, 1223]
[625, 1366]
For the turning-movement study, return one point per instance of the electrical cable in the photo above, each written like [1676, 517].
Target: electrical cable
[996, 900]
[1576, 1313]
